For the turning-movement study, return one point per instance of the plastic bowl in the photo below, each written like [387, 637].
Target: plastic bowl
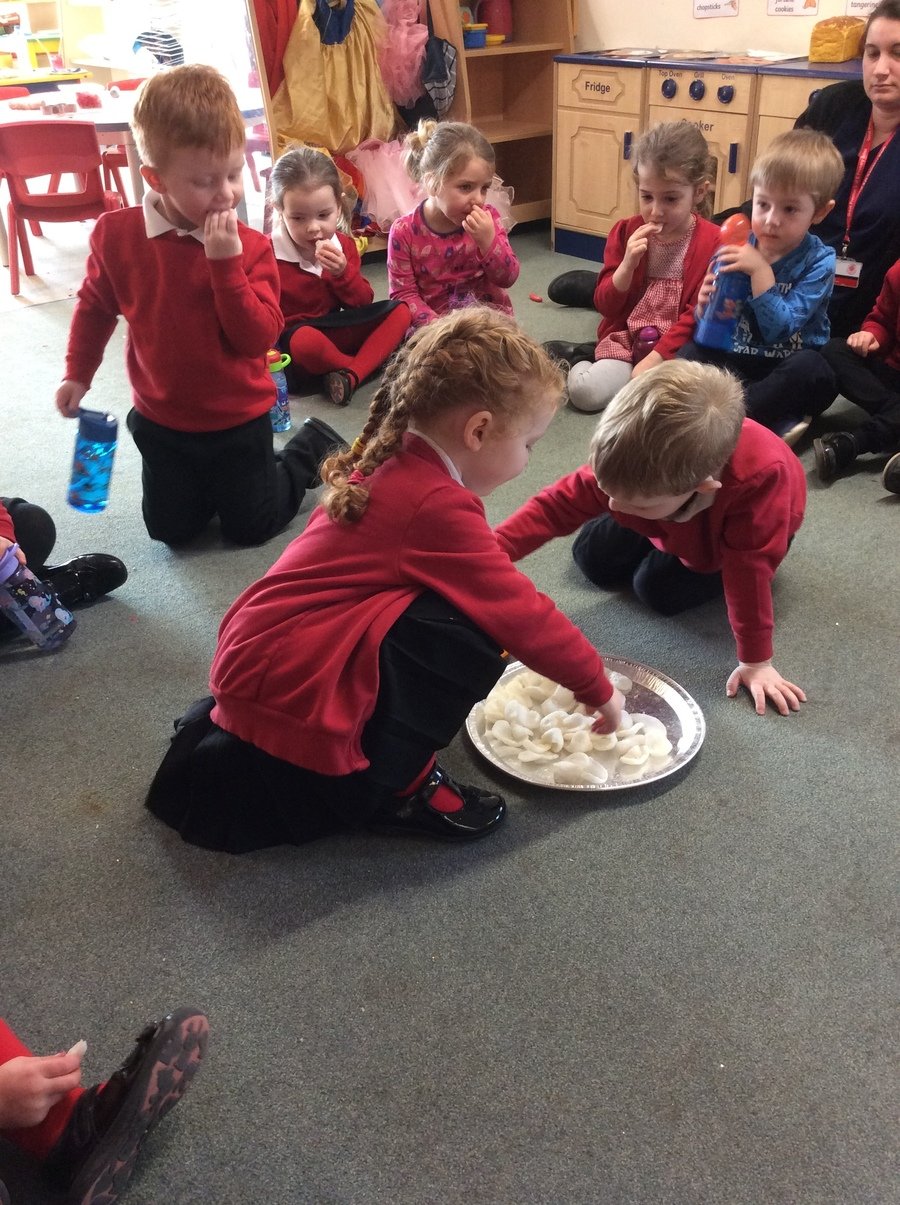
[495, 39]
[474, 37]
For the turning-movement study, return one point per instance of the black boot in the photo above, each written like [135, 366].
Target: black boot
[94, 1157]
[833, 453]
[574, 288]
[570, 353]
[84, 579]
[890, 478]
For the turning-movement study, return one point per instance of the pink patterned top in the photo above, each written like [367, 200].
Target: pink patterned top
[434, 273]
[660, 304]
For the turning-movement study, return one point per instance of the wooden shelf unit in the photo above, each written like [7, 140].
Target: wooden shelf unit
[507, 92]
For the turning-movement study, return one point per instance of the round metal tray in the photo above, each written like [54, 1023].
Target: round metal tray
[653, 693]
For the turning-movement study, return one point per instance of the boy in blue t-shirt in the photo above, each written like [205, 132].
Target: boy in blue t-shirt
[791, 273]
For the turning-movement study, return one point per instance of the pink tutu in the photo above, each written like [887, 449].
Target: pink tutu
[402, 53]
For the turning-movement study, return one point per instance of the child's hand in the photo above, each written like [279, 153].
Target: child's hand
[5, 543]
[741, 257]
[610, 713]
[332, 258]
[31, 1086]
[651, 360]
[863, 342]
[765, 682]
[480, 225]
[220, 235]
[705, 293]
[637, 245]
[68, 398]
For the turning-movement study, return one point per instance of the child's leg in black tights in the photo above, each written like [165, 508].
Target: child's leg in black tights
[608, 553]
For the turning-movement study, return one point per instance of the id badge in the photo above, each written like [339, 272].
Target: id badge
[846, 272]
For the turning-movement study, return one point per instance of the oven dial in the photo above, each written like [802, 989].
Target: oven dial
[669, 88]
[697, 89]
[726, 94]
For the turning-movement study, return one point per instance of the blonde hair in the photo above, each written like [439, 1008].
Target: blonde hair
[477, 357]
[436, 150]
[800, 161]
[667, 430]
[191, 106]
[677, 151]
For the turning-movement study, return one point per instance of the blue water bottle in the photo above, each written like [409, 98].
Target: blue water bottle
[95, 447]
[280, 414]
[731, 289]
[31, 605]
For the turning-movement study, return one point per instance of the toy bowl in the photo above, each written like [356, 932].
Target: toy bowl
[475, 37]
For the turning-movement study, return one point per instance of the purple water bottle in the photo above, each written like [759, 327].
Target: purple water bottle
[95, 446]
[31, 605]
[647, 338]
[280, 414]
[731, 289]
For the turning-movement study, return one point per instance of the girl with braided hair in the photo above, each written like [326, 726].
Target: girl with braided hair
[359, 654]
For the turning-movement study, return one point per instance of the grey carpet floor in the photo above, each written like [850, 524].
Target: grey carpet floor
[676, 994]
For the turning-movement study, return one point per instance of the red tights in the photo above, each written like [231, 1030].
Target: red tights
[37, 1140]
[359, 350]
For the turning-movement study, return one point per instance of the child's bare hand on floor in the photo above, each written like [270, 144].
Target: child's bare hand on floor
[765, 682]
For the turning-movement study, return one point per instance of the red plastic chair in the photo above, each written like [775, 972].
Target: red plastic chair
[13, 92]
[30, 149]
[114, 157]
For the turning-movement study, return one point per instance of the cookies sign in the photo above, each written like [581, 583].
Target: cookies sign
[715, 8]
[793, 8]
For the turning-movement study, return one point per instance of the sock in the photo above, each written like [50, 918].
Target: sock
[443, 799]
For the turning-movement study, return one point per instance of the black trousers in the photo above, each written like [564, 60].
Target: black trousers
[188, 477]
[35, 531]
[874, 386]
[799, 385]
[221, 792]
[612, 556]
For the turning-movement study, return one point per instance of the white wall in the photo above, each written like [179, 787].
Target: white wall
[608, 23]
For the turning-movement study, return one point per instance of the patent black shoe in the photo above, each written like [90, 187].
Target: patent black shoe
[570, 353]
[480, 814]
[574, 288]
[833, 452]
[316, 441]
[84, 579]
[890, 478]
[94, 1157]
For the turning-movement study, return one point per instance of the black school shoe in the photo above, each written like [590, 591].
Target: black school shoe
[84, 579]
[322, 440]
[890, 478]
[480, 814]
[833, 453]
[570, 353]
[575, 288]
[93, 1160]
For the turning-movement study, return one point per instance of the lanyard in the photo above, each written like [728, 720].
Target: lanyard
[861, 175]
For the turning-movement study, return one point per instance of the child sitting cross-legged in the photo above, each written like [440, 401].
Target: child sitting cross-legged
[784, 321]
[340, 673]
[684, 498]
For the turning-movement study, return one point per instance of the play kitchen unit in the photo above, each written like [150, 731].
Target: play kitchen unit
[606, 99]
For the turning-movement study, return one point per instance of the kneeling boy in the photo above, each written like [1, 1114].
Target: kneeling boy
[683, 496]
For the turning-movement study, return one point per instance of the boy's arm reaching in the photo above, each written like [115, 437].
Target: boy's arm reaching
[558, 510]
[93, 323]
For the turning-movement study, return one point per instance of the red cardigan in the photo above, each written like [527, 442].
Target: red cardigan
[615, 306]
[296, 668]
[884, 320]
[6, 524]
[745, 533]
[306, 295]
[198, 328]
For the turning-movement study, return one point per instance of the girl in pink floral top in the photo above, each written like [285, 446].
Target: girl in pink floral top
[452, 250]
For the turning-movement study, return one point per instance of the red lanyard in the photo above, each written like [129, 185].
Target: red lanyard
[861, 175]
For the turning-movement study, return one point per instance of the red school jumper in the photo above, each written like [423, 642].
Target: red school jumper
[744, 533]
[296, 668]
